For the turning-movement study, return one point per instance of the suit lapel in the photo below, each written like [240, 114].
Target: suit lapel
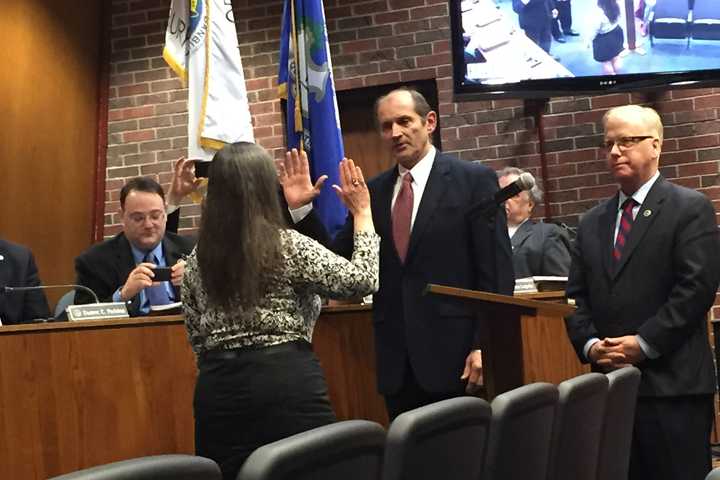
[606, 230]
[647, 214]
[125, 260]
[172, 254]
[522, 234]
[125, 265]
[171, 251]
[434, 191]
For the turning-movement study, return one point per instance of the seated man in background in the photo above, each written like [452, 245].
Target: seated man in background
[121, 269]
[538, 248]
[18, 269]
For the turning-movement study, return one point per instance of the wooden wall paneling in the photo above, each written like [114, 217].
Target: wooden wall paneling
[48, 128]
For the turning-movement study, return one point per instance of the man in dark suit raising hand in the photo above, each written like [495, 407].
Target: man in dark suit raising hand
[644, 273]
[427, 347]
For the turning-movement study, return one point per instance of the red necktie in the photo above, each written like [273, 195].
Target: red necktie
[402, 216]
[626, 221]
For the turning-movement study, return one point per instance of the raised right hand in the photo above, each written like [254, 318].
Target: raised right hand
[353, 191]
[294, 176]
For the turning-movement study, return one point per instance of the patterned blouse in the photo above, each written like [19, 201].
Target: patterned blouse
[292, 305]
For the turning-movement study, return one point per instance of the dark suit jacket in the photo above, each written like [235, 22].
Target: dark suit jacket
[662, 288]
[447, 247]
[540, 249]
[105, 266]
[18, 269]
[536, 14]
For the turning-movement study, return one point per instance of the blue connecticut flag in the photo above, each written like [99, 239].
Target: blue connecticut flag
[305, 79]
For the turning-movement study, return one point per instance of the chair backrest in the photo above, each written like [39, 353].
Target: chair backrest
[671, 9]
[158, 467]
[714, 474]
[444, 440]
[351, 450]
[520, 432]
[578, 427]
[706, 10]
[68, 298]
[614, 453]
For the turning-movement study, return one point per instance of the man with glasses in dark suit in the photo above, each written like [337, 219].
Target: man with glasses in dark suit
[645, 269]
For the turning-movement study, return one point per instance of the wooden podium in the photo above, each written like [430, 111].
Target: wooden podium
[524, 339]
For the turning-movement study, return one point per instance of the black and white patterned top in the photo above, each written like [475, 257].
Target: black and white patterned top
[289, 310]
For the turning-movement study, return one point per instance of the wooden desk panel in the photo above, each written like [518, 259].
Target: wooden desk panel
[343, 341]
[75, 395]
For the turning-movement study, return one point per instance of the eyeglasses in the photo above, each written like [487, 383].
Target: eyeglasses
[155, 216]
[623, 143]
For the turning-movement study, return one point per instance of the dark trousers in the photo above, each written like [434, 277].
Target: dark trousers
[245, 398]
[671, 438]
[540, 34]
[564, 14]
[412, 395]
[556, 33]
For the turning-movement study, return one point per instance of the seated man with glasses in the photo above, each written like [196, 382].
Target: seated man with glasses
[121, 269]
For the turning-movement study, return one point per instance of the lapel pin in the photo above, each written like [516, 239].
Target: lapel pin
[647, 213]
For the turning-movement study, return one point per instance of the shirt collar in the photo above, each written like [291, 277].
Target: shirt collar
[641, 193]
[139, 255]
[421, 170]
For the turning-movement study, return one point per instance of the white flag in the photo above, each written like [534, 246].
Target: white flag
[201, 47]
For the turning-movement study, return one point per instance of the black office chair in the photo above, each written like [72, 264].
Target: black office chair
[670, 19]
[578, 427]
[67, 299]
[705, 20]
[520, 432]
[445, 440]
[614, 452]
[158, 467]
[349, 450]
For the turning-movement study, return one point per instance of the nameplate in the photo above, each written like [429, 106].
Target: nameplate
[96, 311]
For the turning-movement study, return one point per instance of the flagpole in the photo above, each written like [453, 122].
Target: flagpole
[296, 85]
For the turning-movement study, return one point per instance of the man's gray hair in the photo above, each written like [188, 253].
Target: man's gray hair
[536, 195]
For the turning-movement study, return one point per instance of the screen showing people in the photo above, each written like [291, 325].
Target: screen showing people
[508, 41]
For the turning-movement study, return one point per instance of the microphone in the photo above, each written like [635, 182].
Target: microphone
[47, 287]
[488, 207]
[524, 182]
[90, 311]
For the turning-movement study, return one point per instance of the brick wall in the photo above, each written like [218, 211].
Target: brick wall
[380, 42]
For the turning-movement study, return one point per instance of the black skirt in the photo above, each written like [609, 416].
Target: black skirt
[246, 398]
[607, 46]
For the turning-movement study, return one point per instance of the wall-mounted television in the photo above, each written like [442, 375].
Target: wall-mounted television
[676, 44]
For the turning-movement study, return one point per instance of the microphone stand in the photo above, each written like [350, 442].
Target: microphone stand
[49, 287]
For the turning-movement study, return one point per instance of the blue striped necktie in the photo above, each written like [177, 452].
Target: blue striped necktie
[157, 293]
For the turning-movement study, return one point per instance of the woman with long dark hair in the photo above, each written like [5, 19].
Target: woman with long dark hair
[608, 36]
[251, 298]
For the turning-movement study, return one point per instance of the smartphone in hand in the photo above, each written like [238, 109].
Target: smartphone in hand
[162, 274]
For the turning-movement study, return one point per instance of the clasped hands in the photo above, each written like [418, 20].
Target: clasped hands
[612, 353]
